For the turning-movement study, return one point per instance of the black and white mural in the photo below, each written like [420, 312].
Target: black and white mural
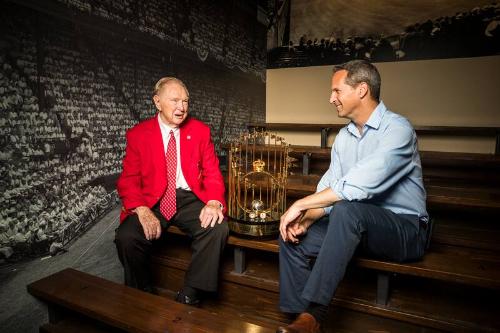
[320, 32]
[76, 74]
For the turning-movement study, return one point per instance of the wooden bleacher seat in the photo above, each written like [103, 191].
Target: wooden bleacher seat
[74, 297]
[442, 262]
[456, 264]
[457, 197]
[325, 129]
[463, 304]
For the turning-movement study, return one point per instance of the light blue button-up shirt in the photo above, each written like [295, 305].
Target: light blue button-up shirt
[381, 166]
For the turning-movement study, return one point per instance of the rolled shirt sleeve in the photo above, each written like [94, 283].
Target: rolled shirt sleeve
[379, 170]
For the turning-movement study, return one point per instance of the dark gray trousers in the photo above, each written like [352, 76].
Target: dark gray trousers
[333, 240]
[207, 245]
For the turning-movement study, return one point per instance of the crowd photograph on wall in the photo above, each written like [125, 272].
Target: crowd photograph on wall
[68, 94]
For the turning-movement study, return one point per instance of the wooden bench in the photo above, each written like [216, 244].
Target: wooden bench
[477, 267]
[446, 195]
[452, 289]
[435, 164]
[74, 297]
[325, 129]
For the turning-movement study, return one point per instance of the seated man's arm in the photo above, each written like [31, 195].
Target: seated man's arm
[382, 168]
[129, 182]
[371, 176]
[213, 212]
[304, 212]
[129, 190]
[299, 228]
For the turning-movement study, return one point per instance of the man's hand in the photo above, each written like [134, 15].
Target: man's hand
[211, 214]
[291, 216]
[150, 223]
[298, 227]
[295, 230]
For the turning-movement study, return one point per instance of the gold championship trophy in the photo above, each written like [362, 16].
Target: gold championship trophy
[258, 168]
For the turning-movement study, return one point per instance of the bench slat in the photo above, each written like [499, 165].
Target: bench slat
[448, 263]
[256, 244]
[130, 309]
[420, 129]
[437, 195]
[441, 262]
[428, 157]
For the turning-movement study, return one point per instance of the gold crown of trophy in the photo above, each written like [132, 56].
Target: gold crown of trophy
[258, 169]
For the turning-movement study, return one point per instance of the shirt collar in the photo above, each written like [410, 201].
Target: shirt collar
[376, 116]
[374, 120]
[167, 128]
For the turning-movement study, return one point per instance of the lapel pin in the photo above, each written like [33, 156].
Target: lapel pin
[189, 137]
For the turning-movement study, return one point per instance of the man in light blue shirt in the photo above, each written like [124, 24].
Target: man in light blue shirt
[372, 196]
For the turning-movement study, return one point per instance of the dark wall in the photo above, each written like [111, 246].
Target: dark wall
[75, 75]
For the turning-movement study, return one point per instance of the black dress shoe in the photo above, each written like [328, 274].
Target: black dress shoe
[181, 298]
[151, 290]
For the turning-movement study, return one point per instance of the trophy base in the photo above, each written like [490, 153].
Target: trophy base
[266, 229]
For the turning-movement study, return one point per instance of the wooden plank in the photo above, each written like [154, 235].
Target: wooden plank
[467, 230]
[420, 129]
[448, 307]
[76, 325]
[452, 159]
[461, 198]
[295, 127]
[316, 152]
[448, 263]
[129, 309]
[471, 168]
[256, 244]
[451, 196]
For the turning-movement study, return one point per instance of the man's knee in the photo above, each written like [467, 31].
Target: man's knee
[346, 214]
[343, 209]
[290, 251]
[220, 231]
[283, 246]
[128, 235]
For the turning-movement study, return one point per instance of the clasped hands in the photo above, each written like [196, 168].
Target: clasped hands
[210, 214]
[292, 224]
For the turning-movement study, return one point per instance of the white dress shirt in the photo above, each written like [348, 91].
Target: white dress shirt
[180, 181]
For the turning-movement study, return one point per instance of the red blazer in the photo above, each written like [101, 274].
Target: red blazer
[144, 177]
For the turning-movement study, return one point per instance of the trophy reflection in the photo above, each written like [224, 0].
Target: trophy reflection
[258, 168]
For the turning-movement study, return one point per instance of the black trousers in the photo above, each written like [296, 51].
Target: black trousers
[134, 250]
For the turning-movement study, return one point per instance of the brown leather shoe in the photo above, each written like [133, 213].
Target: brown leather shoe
[305, 323]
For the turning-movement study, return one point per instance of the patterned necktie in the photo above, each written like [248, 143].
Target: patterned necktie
[167, 204]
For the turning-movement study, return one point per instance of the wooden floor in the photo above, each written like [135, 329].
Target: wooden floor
[340, 320]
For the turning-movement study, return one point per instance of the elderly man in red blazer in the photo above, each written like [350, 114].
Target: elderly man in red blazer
[171, 176]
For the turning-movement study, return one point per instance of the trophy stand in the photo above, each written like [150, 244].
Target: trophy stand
[258, 169]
